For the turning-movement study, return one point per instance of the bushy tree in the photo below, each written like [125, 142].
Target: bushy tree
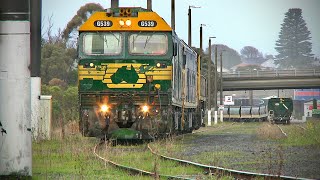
[64, 103]
[294, 46]
[82, 15]
[250, 52]
[57, 61]
[230, 57]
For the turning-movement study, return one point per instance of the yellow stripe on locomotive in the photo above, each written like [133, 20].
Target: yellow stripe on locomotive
[125, 19]
[105, 74]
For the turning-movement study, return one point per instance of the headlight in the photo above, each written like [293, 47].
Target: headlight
[157, 86]
[145, 108]
[121, 22]
[104, 108]
[128, 22]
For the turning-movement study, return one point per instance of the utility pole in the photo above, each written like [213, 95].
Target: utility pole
[221, 89]
[201, 36]
[209, 82]
[189, 24]
[173, 15]
[221, 79]
[149, 4]
[215, 85]
[114, 3]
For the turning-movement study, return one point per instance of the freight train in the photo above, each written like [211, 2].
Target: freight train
[275, 110]
[245, 113]
[280, 110]
[137, 79]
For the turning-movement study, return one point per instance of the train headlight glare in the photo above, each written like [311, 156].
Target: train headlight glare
[104, 108]
[145, 108]
[91, 65]
[158, 65]
[128, 22]
[157, 86]
[121, 22]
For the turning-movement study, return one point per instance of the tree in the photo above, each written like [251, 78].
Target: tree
[230, 56]
[57, 62]
[249, 52]
[82, 15]
[293, 45]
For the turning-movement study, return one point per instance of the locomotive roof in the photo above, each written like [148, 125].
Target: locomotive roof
[115, 19]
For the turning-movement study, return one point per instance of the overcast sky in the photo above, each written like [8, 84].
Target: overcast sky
[235, 23]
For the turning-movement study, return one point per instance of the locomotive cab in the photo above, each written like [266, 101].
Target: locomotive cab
[132, 61]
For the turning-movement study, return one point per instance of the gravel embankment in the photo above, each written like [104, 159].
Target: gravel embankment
[246, 147]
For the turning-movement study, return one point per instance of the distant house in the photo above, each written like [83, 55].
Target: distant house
[252, 63]
[245, 66]
[308, 107]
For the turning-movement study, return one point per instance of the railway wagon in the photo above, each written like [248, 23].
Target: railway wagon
[245, 113]
[137, 79]
[280, 110]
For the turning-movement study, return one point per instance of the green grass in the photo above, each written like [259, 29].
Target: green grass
[300, 137]
[72, 158]
[140, 157]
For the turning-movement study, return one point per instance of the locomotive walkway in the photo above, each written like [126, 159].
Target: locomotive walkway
[265, 80]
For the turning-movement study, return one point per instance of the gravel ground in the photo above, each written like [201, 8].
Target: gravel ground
[241, 147]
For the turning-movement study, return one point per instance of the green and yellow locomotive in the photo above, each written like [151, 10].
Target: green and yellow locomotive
[137, 79]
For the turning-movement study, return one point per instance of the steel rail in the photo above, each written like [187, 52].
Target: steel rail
[282, 131]
[301, 127]
[132, 169]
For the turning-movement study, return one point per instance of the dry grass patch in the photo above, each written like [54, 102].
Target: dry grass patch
[269, 131]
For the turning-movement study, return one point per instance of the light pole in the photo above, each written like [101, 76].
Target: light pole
[221, 73]
[189, 23]
[173, 15]
[215, 84]
[149, 4]
[221, 88]
[209, 82]
[201, 36]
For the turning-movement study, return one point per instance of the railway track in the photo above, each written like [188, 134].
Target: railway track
[285, 134]
[134, 170]
[137, 171]
[207, 169]
[220, 171]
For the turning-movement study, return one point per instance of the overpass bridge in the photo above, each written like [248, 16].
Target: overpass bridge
[274, 79]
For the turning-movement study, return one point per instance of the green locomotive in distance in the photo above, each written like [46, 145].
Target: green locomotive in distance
[280, 110]
[137, 79]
